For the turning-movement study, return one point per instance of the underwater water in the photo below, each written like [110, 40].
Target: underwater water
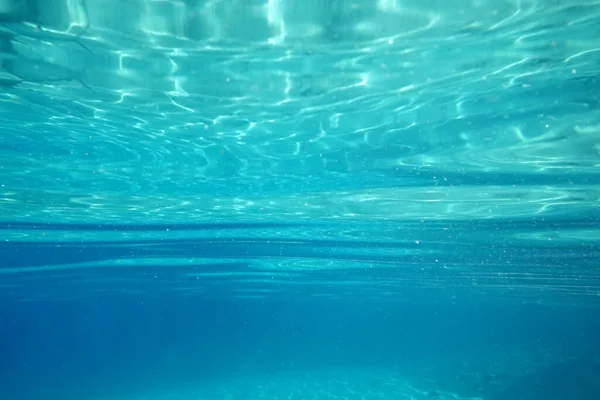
[299, 199]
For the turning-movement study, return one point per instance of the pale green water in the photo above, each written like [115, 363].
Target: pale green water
[174, 111]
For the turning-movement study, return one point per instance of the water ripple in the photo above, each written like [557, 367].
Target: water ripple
[148, 121]
[181, 100]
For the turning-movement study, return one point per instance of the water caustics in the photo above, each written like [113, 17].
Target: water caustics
[403, 113]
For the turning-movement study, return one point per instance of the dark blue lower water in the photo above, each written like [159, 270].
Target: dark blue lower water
[145, 346]
[351, 318]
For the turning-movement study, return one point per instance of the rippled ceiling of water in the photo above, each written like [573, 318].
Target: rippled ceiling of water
[207, 147]
[180, 110]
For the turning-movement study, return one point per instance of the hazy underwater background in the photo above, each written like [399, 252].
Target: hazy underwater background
[299, 199]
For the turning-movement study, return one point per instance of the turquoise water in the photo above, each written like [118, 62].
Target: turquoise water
[300, 200]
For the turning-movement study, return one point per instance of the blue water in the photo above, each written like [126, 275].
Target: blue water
[299, 199]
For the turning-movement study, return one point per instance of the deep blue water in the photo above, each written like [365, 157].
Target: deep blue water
[301, 200]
